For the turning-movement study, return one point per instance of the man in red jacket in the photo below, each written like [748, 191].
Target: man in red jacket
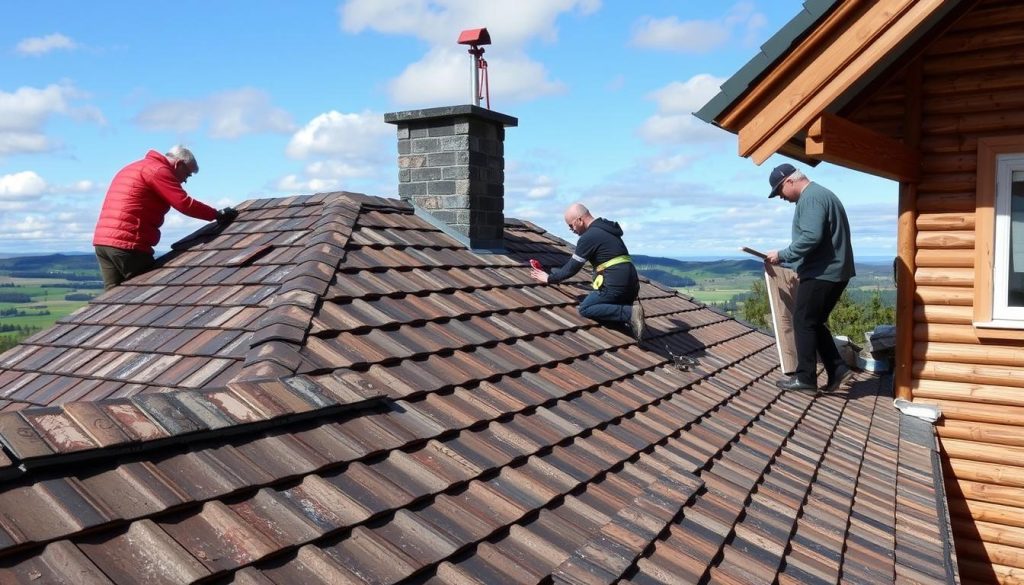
[139, 197]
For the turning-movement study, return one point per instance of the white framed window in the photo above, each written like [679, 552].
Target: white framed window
[1008, 244]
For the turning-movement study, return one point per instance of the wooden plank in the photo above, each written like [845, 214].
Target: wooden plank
[970, 373]
[991, 552]
[793, 63]
[950, 162]
[955, 258]
[945, 276]
[944, 295]
[835, 140]
[985, 571]
[965, 353]
[944, 314]
[947, 183]
[993, 433]
[952, 202]
[906, 244]
[982, 413]
[983, 492]
[855, 51]
[983, 453]
[1001, 475]
[945, 221]
[945, 239]
[986, 512]
[995, 533]
[944, 332]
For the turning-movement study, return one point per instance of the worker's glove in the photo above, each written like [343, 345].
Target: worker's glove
[226, 215]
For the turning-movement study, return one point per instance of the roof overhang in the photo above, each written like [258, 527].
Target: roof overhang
[813, 69]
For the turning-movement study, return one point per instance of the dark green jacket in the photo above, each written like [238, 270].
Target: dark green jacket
[821, 245]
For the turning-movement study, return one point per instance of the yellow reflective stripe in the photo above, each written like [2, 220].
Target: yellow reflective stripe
[616, 260]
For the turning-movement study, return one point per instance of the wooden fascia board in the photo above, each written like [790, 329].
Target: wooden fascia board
[835, 140]
[795, 61]
[851, 56]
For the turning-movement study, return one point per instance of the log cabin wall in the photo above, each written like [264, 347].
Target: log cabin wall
[972, 87]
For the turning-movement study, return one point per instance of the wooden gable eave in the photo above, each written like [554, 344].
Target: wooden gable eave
[839, 141]
[855, 43]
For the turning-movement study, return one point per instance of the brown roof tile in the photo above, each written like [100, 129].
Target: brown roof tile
[331, 381]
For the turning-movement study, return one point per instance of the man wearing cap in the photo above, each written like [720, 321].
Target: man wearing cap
[822, 256]
[139, 197]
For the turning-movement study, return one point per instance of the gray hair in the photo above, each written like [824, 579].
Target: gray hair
[179, 152]
[797, 176]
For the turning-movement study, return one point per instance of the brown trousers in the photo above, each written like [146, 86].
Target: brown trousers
[117, 265]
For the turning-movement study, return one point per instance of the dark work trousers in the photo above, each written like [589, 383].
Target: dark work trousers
[610, 304]
[815, 300]
[117, 265]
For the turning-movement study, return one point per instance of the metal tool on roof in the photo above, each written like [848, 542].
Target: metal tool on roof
[682, 362]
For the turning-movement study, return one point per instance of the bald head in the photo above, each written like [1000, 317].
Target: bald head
[578, 218]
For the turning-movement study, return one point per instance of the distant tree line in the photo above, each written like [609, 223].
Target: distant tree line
[13, 297]
[850, 318]
[71, 276]
[667, 278]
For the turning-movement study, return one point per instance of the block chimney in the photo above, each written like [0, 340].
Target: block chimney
[451, 165]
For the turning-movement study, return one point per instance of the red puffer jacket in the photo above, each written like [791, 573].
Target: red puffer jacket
[138, 199]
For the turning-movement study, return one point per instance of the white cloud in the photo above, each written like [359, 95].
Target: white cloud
[351, 151]
[41, 45]
[674, 123]
[355, 136]
[697, 36]
[441, 75]
[23, 185]
[227, 115]
[669, 164]
[24, 112]
[295, 184]
[510, 23]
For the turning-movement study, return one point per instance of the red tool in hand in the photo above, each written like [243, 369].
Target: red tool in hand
[536, 264]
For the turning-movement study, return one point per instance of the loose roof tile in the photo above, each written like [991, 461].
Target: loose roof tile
[331, 379]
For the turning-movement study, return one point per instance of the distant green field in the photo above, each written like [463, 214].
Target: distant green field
[714, 295]
[46, 306]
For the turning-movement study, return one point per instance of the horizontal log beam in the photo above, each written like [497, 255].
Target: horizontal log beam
[987, 512]
[971, 373]
[944, 295]
[970, 411]
[983, 453]
[988, 473]
[985, 492]
[945, 276]
[945, 221]
[944, 314]
[932, 258]
[835, 140]
[989, 551]
[993, 433]
[965, 353]
[946, 239]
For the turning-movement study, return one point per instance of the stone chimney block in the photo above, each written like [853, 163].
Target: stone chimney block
[451, 163]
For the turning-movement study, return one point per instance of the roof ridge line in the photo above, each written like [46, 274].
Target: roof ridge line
[285, 325]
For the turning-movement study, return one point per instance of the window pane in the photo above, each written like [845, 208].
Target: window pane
[1015, 278]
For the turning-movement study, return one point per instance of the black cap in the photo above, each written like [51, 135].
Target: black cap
[779, 175]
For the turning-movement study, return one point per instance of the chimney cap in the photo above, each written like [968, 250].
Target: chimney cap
[475, 37]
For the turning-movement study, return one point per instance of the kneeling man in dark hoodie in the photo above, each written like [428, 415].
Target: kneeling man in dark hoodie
[616, 286]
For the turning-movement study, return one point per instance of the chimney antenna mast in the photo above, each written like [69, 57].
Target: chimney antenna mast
[476, 38]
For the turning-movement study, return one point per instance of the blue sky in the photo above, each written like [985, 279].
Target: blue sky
[279, 98]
